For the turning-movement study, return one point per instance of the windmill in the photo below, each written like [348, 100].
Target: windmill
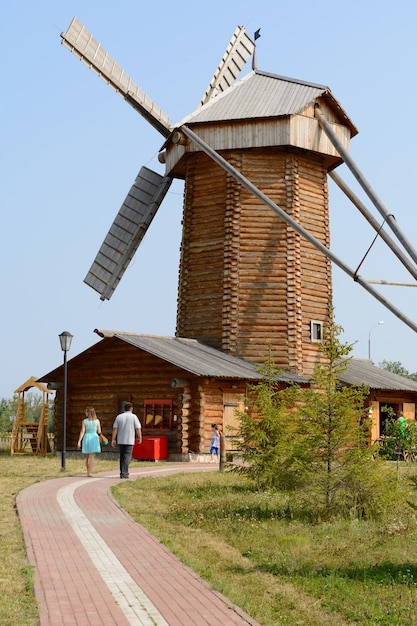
[247, 281]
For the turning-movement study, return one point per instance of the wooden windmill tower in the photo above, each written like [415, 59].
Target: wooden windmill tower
[247, 279]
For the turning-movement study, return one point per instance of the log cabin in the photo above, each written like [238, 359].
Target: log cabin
[389, 394]
[179, 387]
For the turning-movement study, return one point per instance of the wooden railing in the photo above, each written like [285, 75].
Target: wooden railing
[5, 441]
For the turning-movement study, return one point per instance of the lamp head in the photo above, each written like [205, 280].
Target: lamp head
[65, 339]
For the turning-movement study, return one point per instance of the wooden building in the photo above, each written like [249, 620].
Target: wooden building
[390, 394]
[179, 387]
[186, 383]
[248, 283]
[247, 280]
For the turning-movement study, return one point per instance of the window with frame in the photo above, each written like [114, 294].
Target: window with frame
[316, 331]
[157, 414]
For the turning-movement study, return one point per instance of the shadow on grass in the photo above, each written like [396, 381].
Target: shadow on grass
[387, 573]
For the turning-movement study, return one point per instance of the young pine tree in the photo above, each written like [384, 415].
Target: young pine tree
[341, 474]
[266, 431]
[314, 442]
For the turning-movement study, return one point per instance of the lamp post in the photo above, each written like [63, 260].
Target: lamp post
[369, 338]
[65, 339]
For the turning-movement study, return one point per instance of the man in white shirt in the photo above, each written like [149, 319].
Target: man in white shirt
[125, 427]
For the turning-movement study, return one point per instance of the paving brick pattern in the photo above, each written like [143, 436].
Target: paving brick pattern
[95, 566]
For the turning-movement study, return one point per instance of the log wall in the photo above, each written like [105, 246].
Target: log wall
[247, 280]
[115, 370]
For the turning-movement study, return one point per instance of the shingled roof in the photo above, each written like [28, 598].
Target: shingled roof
[260, 95]
[195, 357]
[202, 360]
[363, 372]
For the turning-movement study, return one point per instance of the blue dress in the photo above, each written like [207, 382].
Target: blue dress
[90, 443]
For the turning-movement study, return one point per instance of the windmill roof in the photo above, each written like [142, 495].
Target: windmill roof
[260, 95]
[363, 372]
[195, 357]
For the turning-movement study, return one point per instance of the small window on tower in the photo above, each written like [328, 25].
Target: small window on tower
[316, 331]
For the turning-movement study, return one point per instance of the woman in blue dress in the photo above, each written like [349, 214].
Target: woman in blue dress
[89, 437]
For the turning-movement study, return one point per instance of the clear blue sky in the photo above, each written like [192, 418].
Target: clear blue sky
[72, 148]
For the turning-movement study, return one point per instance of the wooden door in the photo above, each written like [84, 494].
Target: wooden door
[409, 410]
[232, 402]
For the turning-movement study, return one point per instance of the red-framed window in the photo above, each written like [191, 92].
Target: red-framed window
[157, 415]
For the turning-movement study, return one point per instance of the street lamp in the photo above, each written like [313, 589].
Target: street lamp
[369, 338]
[65, 339]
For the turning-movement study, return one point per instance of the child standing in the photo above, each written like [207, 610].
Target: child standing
[215, 443]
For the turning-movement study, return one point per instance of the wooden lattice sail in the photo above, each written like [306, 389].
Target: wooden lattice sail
[30, 437]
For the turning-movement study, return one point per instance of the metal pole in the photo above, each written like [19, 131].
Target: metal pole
[295, 225]
[373, 222]
[369, 339]
[64, 415]
[390, 220]
[391, 283]
[222, 452]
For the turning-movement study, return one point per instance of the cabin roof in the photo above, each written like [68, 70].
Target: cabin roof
[195, 357]
[200, 359]
[363, 372]
[262, 95]
[190, 355]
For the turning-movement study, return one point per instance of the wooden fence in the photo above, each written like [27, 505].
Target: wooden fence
[5, 441]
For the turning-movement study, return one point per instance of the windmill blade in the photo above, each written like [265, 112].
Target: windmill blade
[127, 231]
[237, 53]
[83, 45]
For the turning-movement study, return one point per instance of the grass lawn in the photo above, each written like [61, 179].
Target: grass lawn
[282, 571]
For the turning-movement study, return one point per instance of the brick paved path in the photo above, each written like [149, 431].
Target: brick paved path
[95, 566]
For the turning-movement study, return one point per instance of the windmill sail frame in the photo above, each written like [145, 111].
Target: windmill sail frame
[127, 231]
[78, 40]
[138, 209]
[240, 48]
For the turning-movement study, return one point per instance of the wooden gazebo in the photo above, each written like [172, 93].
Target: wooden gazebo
[30, 437]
